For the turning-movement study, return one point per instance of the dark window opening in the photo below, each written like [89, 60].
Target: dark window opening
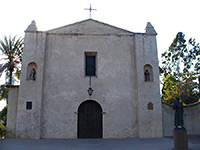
[90, 68]
[150, 106]
[29, 105]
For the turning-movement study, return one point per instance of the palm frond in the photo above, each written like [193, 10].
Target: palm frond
[3, 67]
[12, 48]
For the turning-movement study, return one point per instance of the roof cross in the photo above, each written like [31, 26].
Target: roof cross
[90, 9]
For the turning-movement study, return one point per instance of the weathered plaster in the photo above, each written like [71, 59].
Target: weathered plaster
[191, 119]
[61, 84]
[12, 111]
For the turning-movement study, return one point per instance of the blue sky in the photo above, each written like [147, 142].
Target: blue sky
[168, 17]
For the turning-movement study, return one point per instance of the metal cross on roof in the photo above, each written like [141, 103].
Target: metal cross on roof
[90, 9]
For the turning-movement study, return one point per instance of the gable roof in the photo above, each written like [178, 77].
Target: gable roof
[90, 26]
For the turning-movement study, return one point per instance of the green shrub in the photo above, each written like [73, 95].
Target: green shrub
[2, 130]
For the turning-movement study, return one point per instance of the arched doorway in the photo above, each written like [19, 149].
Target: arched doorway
[89, 120]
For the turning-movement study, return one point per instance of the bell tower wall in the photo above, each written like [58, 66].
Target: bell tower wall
[148, 86]
[30, 91]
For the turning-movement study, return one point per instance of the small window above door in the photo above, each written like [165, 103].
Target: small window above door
[90, 63]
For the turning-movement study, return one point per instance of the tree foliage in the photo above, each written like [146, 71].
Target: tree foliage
[2, 130]
[12, 50]
[180, 70]
[4, 93]
[185, 88]
[10, 62]
[3, 117]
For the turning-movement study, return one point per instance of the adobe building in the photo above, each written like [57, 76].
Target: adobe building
[52, 100]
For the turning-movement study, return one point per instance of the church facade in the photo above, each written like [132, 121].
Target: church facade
[59, 67]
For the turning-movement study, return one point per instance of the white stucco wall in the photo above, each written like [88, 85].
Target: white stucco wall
[150, 122]
[28, 121]
[12, 112]
[191, 119]
[66, 86]
[61, 85]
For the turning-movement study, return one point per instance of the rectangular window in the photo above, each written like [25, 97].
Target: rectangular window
[29, 105]
[90, 63]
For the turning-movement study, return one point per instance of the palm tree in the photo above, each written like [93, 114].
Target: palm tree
[12, 50]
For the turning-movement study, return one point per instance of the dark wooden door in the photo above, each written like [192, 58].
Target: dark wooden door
[89, 120]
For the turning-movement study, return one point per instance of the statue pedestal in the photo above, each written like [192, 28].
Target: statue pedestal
[180, 139]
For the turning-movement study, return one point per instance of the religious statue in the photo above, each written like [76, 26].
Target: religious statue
[178, 118]
[147, 75]
[33, 74]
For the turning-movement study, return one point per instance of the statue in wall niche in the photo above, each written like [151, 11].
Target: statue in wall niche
[178, 117]
[147, 75]
[150, 106]
[33, 74]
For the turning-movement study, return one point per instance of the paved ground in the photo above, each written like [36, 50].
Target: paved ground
[94, 144]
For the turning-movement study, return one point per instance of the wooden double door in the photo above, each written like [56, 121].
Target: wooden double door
[90, 120]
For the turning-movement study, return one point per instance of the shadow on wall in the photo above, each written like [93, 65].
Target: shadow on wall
[191, 119]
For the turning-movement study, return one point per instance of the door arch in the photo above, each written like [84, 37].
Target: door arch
[90, 120]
